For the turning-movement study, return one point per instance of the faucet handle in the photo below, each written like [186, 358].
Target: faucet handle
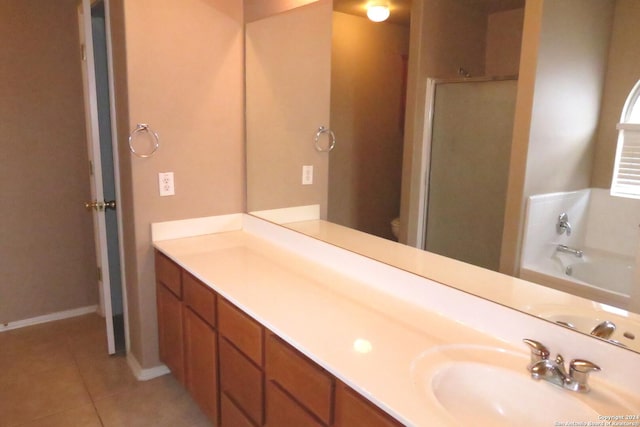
[579, 370]
[604, 329]
[560, 363]
[538, 351]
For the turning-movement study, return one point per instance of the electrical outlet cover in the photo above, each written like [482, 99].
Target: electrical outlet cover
[165, 183]
[307, 174]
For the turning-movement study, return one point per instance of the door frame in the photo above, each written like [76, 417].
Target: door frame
[92, 120]
[425, 164]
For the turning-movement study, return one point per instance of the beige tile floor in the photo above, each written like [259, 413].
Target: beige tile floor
[58, 374]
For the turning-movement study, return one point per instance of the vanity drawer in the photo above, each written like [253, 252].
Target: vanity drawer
[168, 273]
[284, 411]
[244, 332]
[242, 381]
[305, 381]
[231, 415]
[354, 410]
[200, 298]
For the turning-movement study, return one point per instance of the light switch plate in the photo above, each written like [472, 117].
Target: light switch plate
[165, 182]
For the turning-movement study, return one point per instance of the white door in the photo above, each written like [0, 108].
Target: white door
[103, 204]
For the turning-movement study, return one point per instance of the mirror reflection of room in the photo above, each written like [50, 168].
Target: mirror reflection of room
[368, 94]
[569, 66]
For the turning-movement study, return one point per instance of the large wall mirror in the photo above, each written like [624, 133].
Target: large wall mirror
[465, 128]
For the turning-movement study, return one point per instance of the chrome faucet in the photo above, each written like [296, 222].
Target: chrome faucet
[554, 371]
[604, 329]
[567, 249]
[563, 225]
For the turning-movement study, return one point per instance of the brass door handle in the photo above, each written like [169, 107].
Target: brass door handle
[100, 206]
[93, 205]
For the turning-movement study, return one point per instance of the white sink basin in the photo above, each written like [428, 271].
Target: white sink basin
[480, 394]
[476, 385]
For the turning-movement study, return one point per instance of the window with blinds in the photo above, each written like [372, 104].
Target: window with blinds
[626, 170]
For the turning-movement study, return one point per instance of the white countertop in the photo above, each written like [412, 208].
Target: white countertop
[522, 295]
[323, 311]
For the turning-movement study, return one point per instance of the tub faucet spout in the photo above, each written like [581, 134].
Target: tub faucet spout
[564, 248]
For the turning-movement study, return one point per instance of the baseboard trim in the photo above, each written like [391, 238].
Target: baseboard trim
[48, 318]
[145, 374]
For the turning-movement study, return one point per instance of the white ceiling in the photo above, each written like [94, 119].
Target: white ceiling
[401, 9]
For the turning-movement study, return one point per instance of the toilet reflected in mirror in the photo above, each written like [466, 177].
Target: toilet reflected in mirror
[395, 228]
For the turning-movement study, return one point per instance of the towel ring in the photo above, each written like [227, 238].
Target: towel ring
[142, 127]
[332, 139]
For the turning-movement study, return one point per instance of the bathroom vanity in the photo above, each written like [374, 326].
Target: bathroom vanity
[267, 326]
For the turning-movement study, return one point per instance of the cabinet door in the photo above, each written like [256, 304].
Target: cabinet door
[354, 410]
[170, 331]
[201, 363]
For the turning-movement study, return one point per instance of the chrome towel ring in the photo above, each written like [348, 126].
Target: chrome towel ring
[332, 139]
[142, 127]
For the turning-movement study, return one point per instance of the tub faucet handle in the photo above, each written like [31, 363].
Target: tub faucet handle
[563, 225]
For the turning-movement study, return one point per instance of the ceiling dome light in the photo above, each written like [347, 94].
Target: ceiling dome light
[378, 12]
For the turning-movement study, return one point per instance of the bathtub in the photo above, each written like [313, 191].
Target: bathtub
[598, 275]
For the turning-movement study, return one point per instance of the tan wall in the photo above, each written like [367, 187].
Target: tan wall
[184, 76]
[258, 9]
[558, 105]
[510, 251]
[623, 71]
[288, 60]
[47, 255]
[454, 36]
[366, 113]
[504, 37]
[568, 90]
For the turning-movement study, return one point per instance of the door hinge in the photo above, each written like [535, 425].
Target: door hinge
[91, 167]
[83, 51]
[99, 274]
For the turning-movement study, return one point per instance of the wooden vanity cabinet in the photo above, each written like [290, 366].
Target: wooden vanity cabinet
[201, 345]
[297, 388]
[241, 374]
[354, 410]
[169, 306]
[241, 345]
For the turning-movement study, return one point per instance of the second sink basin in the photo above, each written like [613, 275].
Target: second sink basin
[477, 385]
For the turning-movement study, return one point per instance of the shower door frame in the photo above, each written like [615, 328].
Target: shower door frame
[425, 154]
